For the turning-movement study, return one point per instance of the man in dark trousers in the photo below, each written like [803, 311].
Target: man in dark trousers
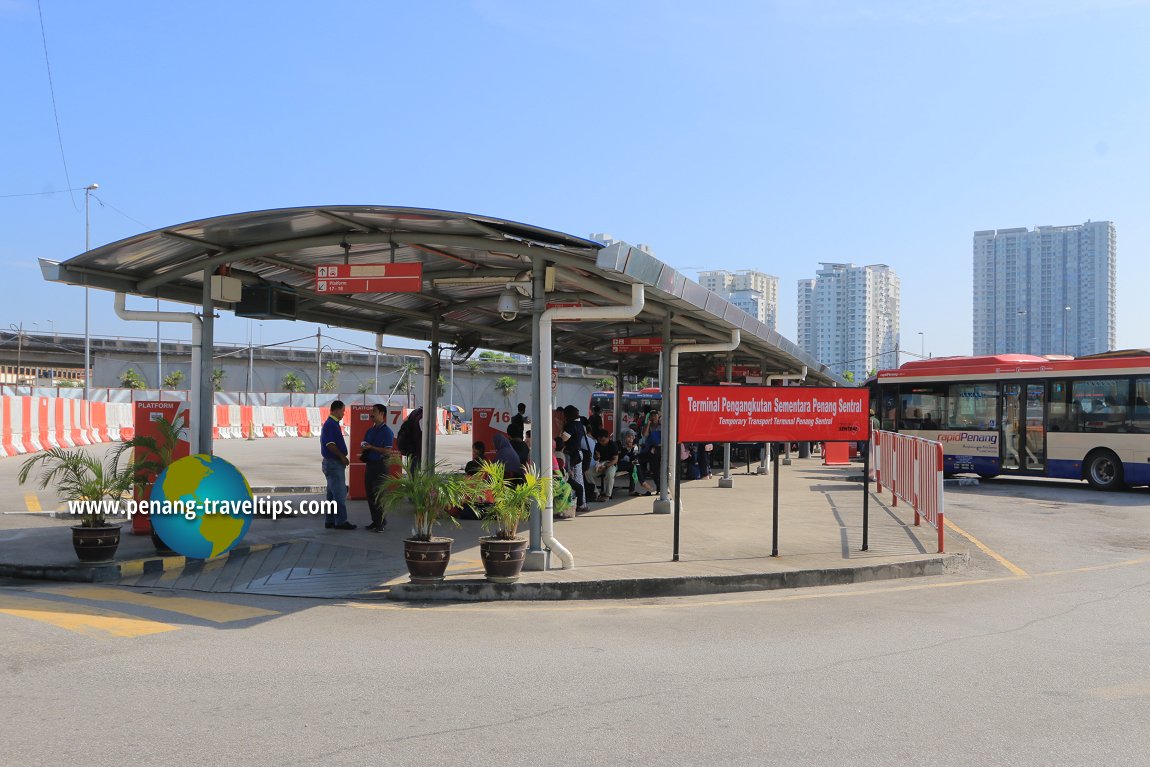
[517, 426]
[333, 448]
[377, 444]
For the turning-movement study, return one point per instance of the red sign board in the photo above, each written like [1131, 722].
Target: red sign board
[738, 371]
[772, 414]
[369, 278]
[639, 345]
[146, 414]
[486, 422]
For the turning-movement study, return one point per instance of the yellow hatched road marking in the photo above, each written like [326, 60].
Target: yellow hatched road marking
[32, 502]
[89, 621]
[988, 551]
[216, 612]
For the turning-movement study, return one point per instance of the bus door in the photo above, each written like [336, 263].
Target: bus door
[1024, 426]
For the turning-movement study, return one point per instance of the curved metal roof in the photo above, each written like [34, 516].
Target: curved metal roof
[467, 262]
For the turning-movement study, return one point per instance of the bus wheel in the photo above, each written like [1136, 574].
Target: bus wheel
[1103, 470]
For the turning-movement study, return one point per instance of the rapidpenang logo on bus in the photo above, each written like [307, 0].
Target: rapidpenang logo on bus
[962, 436]
[211, 506]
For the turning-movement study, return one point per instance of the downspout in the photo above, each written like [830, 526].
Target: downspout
[670, 436]
[399, 351]
[194, 403]
[546, 358]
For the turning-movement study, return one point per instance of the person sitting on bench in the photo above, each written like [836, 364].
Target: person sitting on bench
[605, 466]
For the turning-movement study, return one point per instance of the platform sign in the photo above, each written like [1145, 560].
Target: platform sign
[772, 414]
[146, 416]
[486, 422]
[637, 345]
[369, 278]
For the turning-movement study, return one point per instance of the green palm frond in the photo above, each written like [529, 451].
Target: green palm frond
[512, 498]
[431, 492]
[77, 476]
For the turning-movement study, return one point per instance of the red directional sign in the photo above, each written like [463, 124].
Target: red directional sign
[772, 414]
[638, 345]
[369, 278]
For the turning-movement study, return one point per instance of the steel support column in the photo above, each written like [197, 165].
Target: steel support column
[207, 392]
[538, 558]
[663, 504]
[727, 480]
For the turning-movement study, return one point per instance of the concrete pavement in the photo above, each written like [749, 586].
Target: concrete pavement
[621, 548]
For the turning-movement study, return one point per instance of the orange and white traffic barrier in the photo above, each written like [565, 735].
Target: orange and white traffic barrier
[7, 445]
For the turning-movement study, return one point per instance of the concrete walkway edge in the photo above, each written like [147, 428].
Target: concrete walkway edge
[104, 572]
[682, 586]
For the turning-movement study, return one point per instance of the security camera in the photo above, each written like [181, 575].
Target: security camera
[508, 305]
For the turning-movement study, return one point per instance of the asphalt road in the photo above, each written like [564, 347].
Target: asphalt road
[1036, 654]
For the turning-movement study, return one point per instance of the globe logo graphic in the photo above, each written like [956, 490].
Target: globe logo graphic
[203, 484]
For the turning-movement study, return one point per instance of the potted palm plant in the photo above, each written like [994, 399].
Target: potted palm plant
[503, 551]
[80, 476]
[432, 492]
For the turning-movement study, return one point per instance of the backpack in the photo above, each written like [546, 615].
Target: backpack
[405, 440]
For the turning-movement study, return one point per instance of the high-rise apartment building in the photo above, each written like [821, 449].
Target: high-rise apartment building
[849, 318]
[1047, 291]
[755, 293]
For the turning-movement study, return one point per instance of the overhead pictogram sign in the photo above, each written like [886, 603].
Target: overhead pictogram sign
[637, 345]
[369, 278]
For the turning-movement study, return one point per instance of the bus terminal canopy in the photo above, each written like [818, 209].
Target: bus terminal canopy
[468, 262]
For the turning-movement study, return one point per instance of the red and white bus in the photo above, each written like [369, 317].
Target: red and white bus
[1085, 419]
[633, 404]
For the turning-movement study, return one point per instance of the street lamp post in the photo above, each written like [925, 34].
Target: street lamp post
[87, 246]
[922, 346]
[1065, 322]
[19, 329]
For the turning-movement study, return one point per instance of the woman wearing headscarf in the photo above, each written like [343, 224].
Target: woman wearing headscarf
[506, 455]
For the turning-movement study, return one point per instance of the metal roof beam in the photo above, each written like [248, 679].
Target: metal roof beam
[345, 220]
[191, 240]
[318, 241]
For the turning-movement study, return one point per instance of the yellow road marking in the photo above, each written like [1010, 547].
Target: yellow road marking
[217, 612]
[1096, 568]
[988, 551]
[32, 502]
[736, 602]
[89, 621]
[1122, 691]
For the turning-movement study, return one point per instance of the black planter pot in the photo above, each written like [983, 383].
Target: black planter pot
[503, 559]
[427, 560]
[96, 544]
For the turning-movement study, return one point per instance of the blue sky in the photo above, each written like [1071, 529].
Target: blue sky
[765, 135]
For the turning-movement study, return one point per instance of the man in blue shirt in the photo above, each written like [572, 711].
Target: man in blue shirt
[333, 448]
[376, 445]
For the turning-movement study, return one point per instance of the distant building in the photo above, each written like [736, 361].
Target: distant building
[609, 239]
[1051, 290]
[755, 293]
[849, 318]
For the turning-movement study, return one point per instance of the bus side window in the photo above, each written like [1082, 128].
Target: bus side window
[1057, 420]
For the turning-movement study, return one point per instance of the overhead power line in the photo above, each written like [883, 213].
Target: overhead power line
[55, 112]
